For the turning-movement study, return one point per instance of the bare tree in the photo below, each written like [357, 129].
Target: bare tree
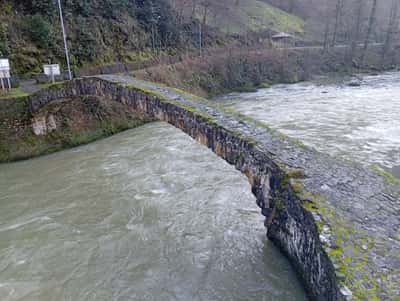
[338, 17]
[291, 6]
[327, 25]
[371, 24]
[391, 29]
[356, 29]
[194, 7]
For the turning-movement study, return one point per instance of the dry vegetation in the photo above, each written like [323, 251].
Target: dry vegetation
[243, 70]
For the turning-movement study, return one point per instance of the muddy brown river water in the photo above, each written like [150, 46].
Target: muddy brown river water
[148, 214]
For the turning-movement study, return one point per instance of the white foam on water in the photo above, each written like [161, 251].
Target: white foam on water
[357, 123]
[25, 223]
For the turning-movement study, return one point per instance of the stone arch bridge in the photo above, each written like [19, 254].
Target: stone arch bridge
[337, 222]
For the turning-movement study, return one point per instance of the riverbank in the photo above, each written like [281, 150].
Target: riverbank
[66, 123]
[244, 70]
[223, 72]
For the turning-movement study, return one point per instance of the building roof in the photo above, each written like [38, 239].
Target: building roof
[282, 35]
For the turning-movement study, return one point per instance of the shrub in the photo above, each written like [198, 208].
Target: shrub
[82, 8]
[39, 31]
[7, 8]
[85, 47]
[43, 7]
[4, 50]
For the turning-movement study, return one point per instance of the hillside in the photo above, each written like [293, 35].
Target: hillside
[99, 31]
[319, 14]
[251, 15]
[105, 31]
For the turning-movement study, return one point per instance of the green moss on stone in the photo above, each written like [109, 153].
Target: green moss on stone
[295, 173]
[279, 203]
[13, 93]
[389, 177]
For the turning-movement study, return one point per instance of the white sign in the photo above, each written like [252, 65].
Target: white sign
[4, 64]
[52, 70]
[4, 73]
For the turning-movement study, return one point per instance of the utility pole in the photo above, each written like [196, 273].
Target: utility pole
[153, 38]
[153, 21]
[65, 40]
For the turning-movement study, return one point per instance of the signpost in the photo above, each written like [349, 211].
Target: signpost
[52, 70]
[5, 73]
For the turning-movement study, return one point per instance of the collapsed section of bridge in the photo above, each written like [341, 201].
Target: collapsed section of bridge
[336, 221]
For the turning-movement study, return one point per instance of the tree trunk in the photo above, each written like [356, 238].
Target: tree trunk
[327, 26]
[338, 16]
[371, 24]
[291, 6]
[326, 36]
[356, 32]
[391, 30]
[194, 7]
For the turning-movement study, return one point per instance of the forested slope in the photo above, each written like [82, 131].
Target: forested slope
[105, 31]
[99, 31]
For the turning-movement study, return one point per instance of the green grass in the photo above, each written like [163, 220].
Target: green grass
[389, 177]
[18, 92]
[13, 93]
[48, 85]
[254, 15]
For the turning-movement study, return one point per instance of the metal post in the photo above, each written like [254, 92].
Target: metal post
[153, 42]
[52, 74]
[200, 39]
[65, 40]
[153, 39]
[9, 83]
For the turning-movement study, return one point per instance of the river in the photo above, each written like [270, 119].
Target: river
[147, 214]
[355, 123]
